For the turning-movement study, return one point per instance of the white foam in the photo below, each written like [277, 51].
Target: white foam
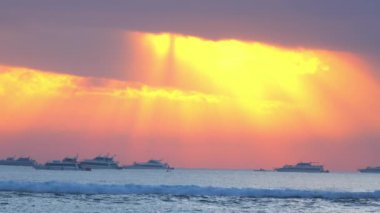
[192, 190]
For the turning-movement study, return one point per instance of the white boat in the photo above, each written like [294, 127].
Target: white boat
[302, 167]
[370, 170]
[22, 161]
[151, 164]
[65, 164]
[100, 162]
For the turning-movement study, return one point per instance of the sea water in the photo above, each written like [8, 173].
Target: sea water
[23, 189]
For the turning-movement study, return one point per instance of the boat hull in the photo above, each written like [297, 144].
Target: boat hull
[369, 171]
[10, 163]
[301, 170]
[146, 167]
[44, 167]
[92, 166]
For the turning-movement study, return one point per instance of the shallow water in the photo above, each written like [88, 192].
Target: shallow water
[24, 189]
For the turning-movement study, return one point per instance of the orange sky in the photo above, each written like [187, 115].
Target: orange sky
[200, 103]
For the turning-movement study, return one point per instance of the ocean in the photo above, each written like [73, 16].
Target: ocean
[24, 189]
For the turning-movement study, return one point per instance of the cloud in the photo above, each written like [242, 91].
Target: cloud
[129, 92]
[84, 37]
[86, 52]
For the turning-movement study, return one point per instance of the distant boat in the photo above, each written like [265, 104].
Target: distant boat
[261, 170]
[370, 170]
[65, 164]
[302, 167]
[22, 161]
[151, 164]
[100, 162]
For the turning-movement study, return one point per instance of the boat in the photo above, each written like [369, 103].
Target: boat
[150, 164]
[302, 167]
[370, 170]
[99, 162]
[261, 170]
[65, 164]
[22, 161]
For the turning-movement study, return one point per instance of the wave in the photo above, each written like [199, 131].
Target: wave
[190, 190]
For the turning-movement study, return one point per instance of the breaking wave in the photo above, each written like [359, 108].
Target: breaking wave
[190, 190]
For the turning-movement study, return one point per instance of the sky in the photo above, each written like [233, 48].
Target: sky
[200, 84]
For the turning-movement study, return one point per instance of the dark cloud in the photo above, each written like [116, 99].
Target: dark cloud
[88, 52]
[82, 35]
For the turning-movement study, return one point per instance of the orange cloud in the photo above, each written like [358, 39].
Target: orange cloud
[206, 97]
[273, 87]
[28, 95]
